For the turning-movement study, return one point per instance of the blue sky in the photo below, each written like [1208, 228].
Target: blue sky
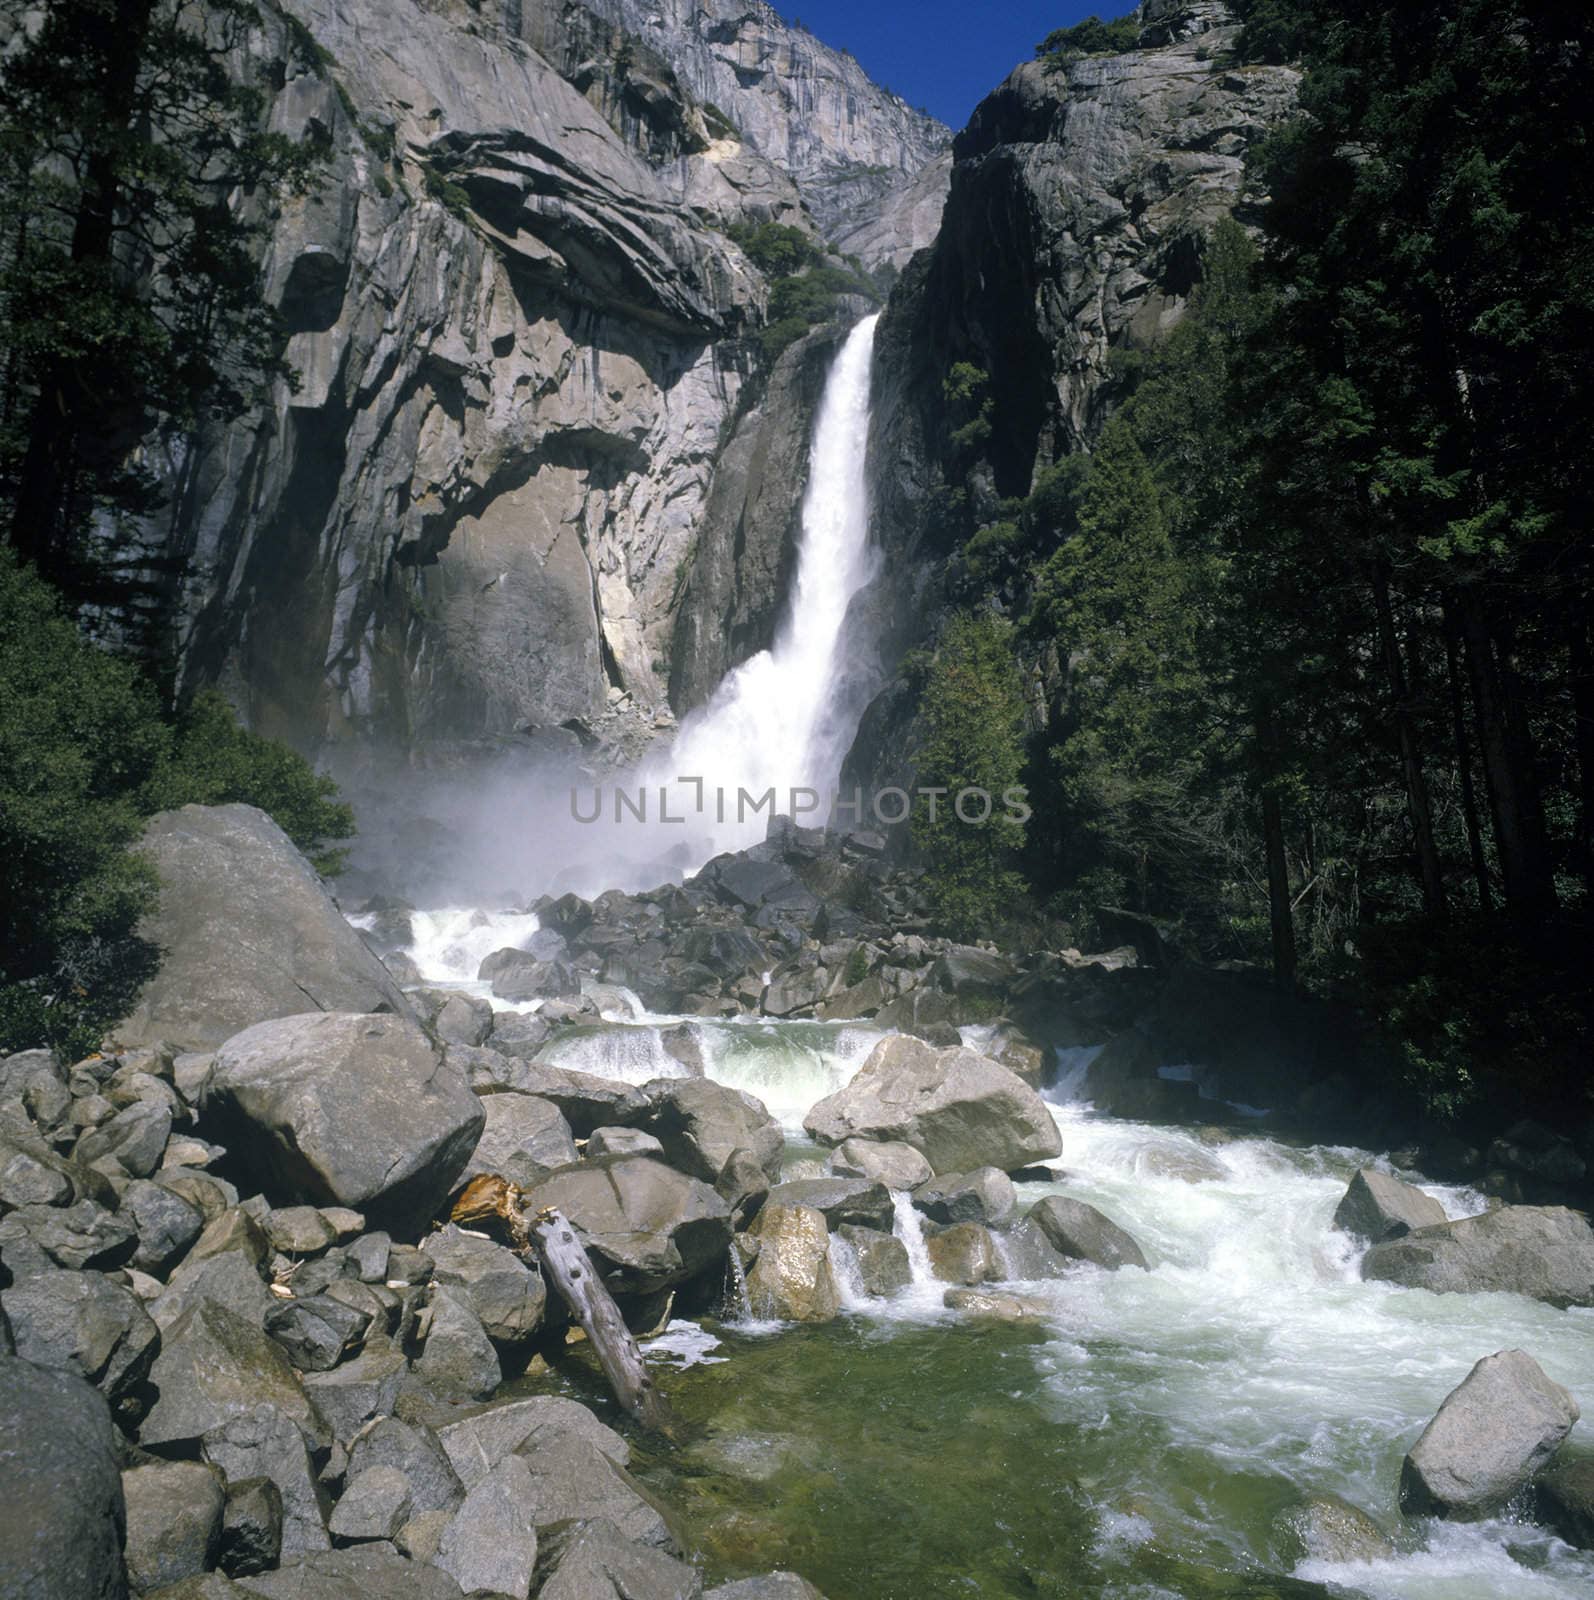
[945, 55]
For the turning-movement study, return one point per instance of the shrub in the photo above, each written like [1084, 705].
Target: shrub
[1091, 37]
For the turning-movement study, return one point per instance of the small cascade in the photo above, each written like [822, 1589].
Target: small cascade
[623, 1052]
[926, 1291]
[1073, 1063]
[737, 1306]
[449, 946]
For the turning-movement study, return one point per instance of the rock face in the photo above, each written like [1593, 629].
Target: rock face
[1377, 1207]
[1544, 1252]
[1493, 1432]
[346, 1110]
[959, 1109]
[62, 1529]
[248, 934]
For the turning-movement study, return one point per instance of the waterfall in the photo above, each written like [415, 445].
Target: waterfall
[780, 720]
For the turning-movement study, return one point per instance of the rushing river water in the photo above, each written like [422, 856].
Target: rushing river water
[1145, 1441]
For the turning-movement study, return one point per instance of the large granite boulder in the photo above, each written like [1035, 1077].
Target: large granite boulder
[593, 1560]
[507, 1297]
[1565, 1499]
[62, 1527]
[523, 1137]
[961, 1110]
[1544, 1252]
[338, 1109]
[248, 932]
[362, 1572]
[174, 1516]
[1082, 1233]
[1492, 1433]
[490, 1546]
[838, 1200]
[1378, 1207]
[647, 1224]
[792, 1278]
[700, 1123]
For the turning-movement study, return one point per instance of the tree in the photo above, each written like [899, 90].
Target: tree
[136, 181]
[972, 712]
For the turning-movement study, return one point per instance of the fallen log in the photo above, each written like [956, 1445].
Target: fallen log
[550, 1241]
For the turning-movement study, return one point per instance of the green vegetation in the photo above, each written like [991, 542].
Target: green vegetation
[972, 709]
[1091, 37]
[804, 287]
[85, 757]
[1315, 611]
[450, 195]
[857, 968]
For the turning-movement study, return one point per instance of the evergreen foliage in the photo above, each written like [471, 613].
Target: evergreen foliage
[1091, 37]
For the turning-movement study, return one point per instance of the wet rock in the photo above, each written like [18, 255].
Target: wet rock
[248, 933]
[771, 1586]
[896, 1165]
[89, 1325]
[1377, 1207]
[1188, 1166]
[214, 1366]
[81, 1237]
[375, 1505]
[360, 1390]
[1544, 1252]
[251, 1528]
[593, 1560]
[174, 1517]
[491, 1544]
[477, 1444]
[1082, 1233]
[519, 1034]
[839, 1200]
[653, 1226]
[1565, 1500]
[882, 1260]
[963, 1254]
[506, 1296]
[1492, 1433]
[700, 1123]
[792, 1278]
[316, 1331]
[346, 1110]
[743, 1185]
[959, 1109]
[458, 1361]
[454, 1017]
[1026, 1252]
[167, 1225]
[518, 975]
[413, 1448]
[985, 1196]
[985, 1305]
[1326, 1528]
[360, 1572]
[266, 1442]
[522, 1138]
[62, 1528]
[624, 1142]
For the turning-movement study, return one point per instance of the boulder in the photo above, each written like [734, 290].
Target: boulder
[624, 1142]
[316, 1331]
[1544, 1252]
[965, 1254]
[1378, 1207]
[458, 1361]
[248, 934]
[413, 1448]
[490, 1546]
[700, 1123]
[593, 1560]
[174, 1516]
[1026, 1252]
[520, 1034]
[522, 1138]
[82, 1236]
[32, 1174]
[985, 1196]
[897, 1166]
[361, 1572]
[571, 1479]
[1326, 1528]
[89, 1325]
[586, 1101]
[345, 1110]
[251, 1528]
[881, 1260]
[299, 1231]
[266, 1442]
[213, 1366]
[135, 1139]
[983, 1305]
[839, 1200]
[650, 1226]
[230, 1279]
[62, 1528]
[375, 1505]
[167, 1225]
[1082, 1233]
[1565, 1500]
[1492, 1433]
[518, 975]
[506, 1296]
[792, 1278]
[360, 1390]
[477, 1444]
[454, 1017]
[768, 1586]
[958, 1108]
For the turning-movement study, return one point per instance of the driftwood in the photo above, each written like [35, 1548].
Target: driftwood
[549, 1240]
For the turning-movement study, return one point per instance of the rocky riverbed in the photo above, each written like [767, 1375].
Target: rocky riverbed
[929, 1321]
